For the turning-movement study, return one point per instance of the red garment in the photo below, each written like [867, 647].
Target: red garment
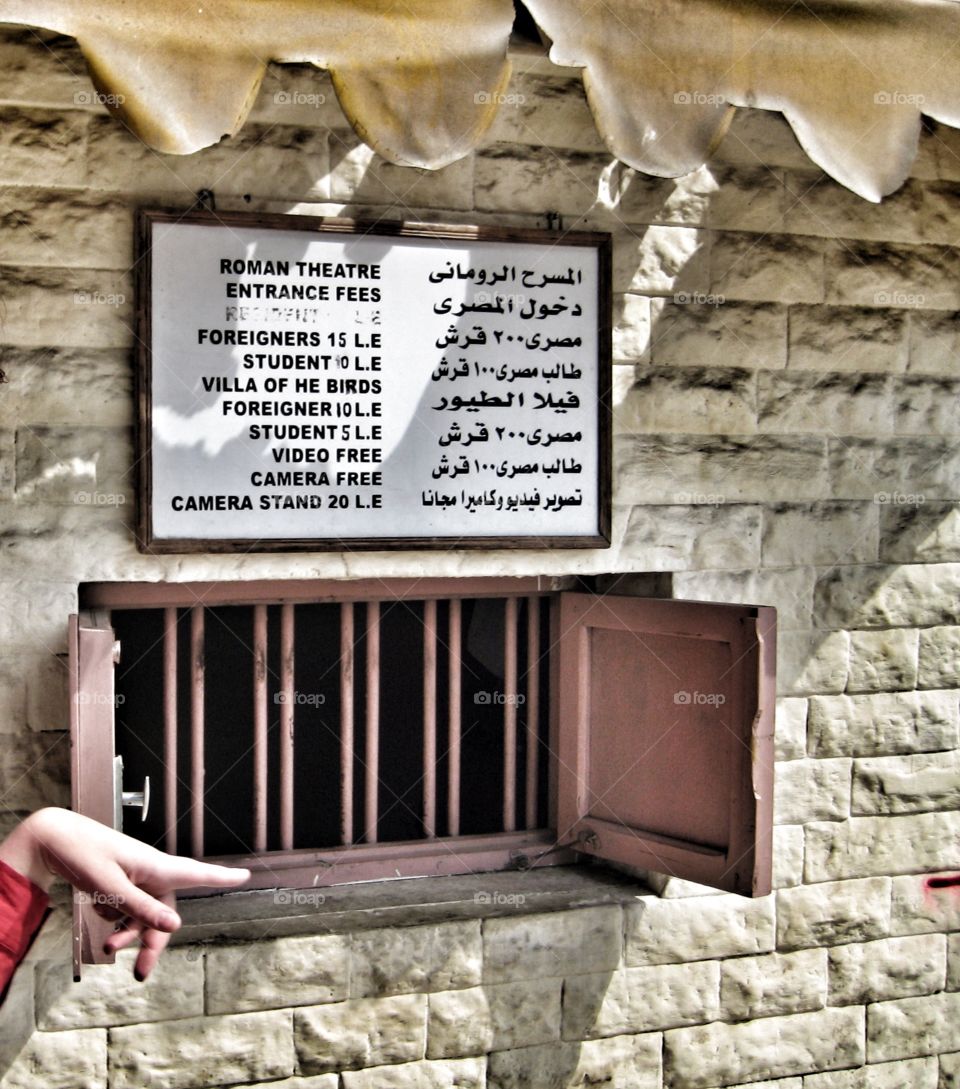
[22, 909]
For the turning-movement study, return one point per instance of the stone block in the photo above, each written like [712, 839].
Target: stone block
[820, 533]
[445, 1074]
[889, 274]
[631, 328]
[494, 1017]
[744, 198]
[7, 463]
[912, 1073]
[61, 1060]
[42, 69]
[890, 968]
[812, 662]
[918, 909]
[812, 790]
[818, 205]
[54, 387]
[761, 136]
[640, 999]
[934, 342]
[927, 532]
[773, 985]
[416, 958]
[360, 1033]
[925, 405]
[787, 855]
[791, 728]
[527, 178]
[299, 95]
[82, 466]
[789, 590]
[853, 339]
[953, 963]
[693, 333]
[828, 403]
[639, 198]
[661, 260]
[908, 471]
[719, 1054]
[767, 268]
[545, 111]
[48, 144]
[559, 944]
[910, 1027]
[689, 400]
[619, 1062]
[691, 537]
[949, 1071]
[868, 846]
[906, 784]
[939, 658]
[67, 308]
[35, 769]
[108, 995]
[196, 1052]
[882, 724]
[888, 596]
[267, 975]
[58, 229]
[833, 913]
[698, 928]
[721, 468]
[883, 661]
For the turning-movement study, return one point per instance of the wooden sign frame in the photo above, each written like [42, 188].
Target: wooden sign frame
[189, 274]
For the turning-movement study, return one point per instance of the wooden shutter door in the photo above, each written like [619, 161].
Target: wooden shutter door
[665, 736]
[93, 652]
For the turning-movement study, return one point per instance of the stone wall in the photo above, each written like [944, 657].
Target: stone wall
[786, 433]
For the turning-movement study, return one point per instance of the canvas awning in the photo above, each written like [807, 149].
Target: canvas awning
[420, 81]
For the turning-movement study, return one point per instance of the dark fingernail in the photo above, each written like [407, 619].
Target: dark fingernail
[138, 975]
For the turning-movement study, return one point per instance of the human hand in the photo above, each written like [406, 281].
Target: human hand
[130, 880]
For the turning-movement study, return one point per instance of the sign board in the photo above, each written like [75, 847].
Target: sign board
[325, 384]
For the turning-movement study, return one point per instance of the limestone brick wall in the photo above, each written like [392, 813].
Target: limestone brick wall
[786, 422]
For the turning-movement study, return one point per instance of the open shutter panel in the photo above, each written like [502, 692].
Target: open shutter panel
[665, 736]
[93, 653]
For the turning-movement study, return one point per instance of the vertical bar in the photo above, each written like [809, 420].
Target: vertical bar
[430, 719]
[346, 722]
[197, 770]
[453, 739]
[286, 726]
[372, 779]
[259, 727]
[510, 715]
[170, 729]
[533, 706]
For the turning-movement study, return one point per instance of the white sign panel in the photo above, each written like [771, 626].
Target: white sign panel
[308, 383]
